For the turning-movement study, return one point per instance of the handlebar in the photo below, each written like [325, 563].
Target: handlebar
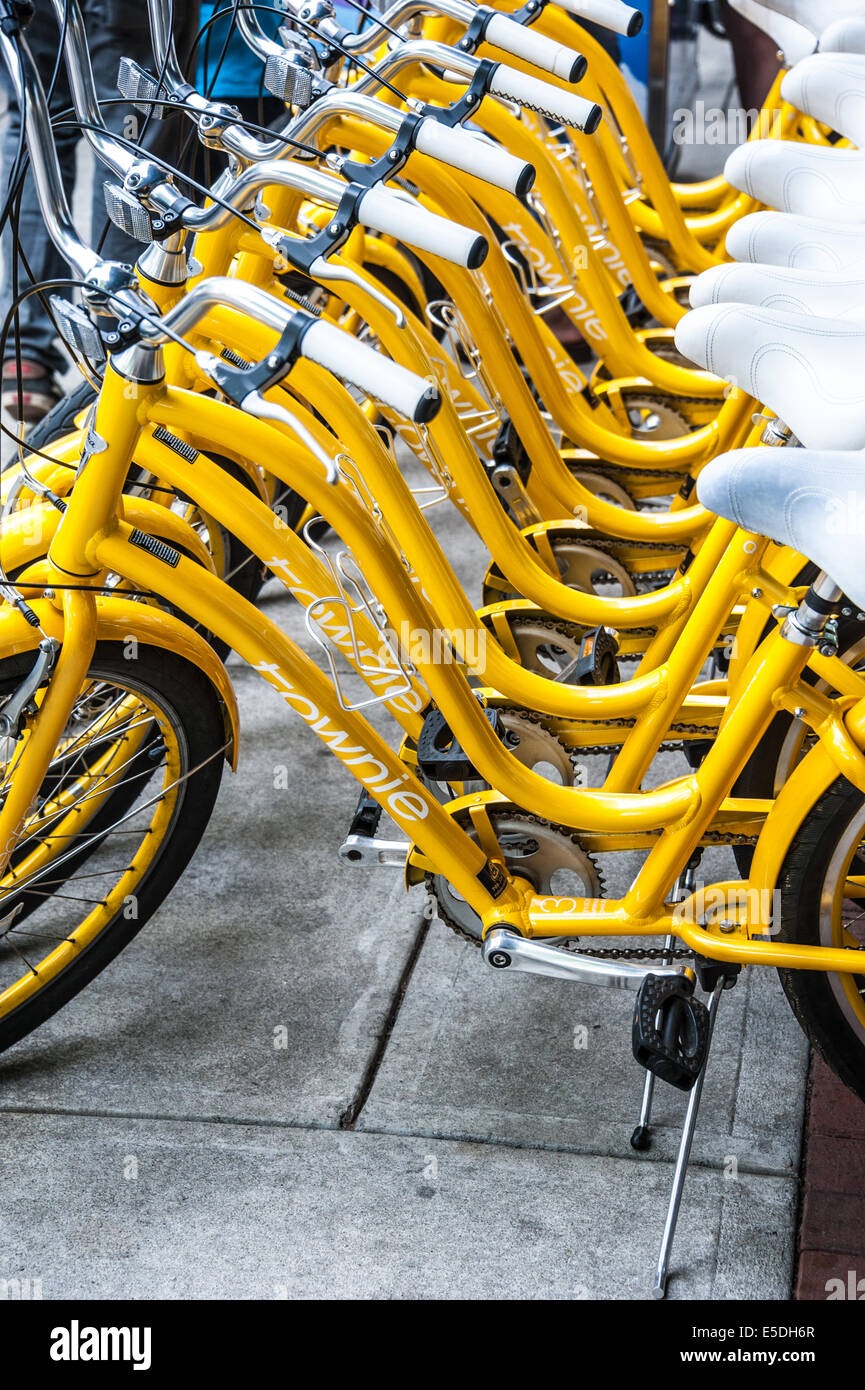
[406, 219]
[474, 155]
[505, 33]
[371, 372]
[565, 107]
[385, 210]
[329, 347]
[483, 24]
[610, 14]
[454, 146]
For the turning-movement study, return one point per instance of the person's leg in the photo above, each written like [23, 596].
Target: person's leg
[40, 356]
[755, 55]
[118, 29]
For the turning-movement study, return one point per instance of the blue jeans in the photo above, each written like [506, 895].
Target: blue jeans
[115, 29]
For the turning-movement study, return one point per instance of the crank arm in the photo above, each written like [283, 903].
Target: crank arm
[370, 852]
[508, 484]
[505, 950]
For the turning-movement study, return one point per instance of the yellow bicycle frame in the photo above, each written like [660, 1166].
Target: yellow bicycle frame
[92, 539]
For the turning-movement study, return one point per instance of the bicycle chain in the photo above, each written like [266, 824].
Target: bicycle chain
[651, 580]
[607, 545]
[564, 628]
[622, 953]
[634, 471]
[648, 580]
[609, 749]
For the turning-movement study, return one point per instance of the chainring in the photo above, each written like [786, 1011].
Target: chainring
[605, 489]
[652, 417]
[534, 848]
[546, 648]
[555, 843]
[530, 743]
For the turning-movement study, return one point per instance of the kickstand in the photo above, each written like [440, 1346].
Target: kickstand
[642, 1136]
[660, 1286]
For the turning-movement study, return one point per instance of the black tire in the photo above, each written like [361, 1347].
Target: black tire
[826, 1009]
[397, 287]
[60, 419]
[191, 708]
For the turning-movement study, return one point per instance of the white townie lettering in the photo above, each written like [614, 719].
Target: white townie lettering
[389, 790]
[77, 1343]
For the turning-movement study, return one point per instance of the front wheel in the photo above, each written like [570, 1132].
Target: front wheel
[822, 886]
[125, 801]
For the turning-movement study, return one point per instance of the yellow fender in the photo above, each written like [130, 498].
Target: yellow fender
[119, 619]
[27, 534]
[800, 793]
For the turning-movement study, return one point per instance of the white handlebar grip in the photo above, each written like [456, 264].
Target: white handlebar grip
[535, 48]
[610, 14]
[474, 156]
[408, 221]
[371, 371]
[558, 105]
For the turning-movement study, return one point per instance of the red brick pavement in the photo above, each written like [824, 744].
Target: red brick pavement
[832, 1226]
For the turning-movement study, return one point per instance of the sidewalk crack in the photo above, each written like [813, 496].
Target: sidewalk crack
[349, 1117]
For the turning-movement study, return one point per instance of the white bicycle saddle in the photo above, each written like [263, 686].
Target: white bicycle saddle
[831, 88]
[813, 501]
[828, 294]
[809, 371]
[844, 36]
[777, 238]
[807, 179]
[796, 25]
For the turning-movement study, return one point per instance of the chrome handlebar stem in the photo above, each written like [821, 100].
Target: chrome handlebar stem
[412, 51]
[313, 183]
[401, 13]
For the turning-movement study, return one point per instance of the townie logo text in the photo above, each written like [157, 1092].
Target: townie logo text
[77, 1343]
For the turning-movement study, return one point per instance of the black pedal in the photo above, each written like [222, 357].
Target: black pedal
[596, 664]
[671, 1030]
[367, 815]
[439, 755]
